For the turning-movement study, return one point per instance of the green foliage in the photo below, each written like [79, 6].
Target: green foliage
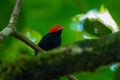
[37, 16]
[113, 6]
[107, 74]
[116, 75]
[6, 9]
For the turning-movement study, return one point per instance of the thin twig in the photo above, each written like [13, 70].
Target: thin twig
[11, 30]
[27, 41]
[16, 34]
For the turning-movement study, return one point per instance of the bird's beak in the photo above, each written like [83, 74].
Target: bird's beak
[60, 28]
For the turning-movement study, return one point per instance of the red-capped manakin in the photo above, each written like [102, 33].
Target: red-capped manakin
[52, 39]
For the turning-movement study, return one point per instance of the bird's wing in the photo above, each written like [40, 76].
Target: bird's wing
[49, 41]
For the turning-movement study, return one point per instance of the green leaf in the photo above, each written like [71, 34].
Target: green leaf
[97, 28]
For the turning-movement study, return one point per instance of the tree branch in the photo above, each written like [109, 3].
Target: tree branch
[81, 56]
[15, 13]
[10, 28]
[27, 41]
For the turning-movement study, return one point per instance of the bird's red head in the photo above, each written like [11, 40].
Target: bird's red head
[56, 28]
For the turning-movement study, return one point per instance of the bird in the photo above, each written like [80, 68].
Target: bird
[52, 39]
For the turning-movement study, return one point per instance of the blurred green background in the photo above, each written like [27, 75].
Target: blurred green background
[82, 19]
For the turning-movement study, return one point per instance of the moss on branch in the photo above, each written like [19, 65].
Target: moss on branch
[81, 56]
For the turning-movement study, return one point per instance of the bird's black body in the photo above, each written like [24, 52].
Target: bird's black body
[50, 41]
